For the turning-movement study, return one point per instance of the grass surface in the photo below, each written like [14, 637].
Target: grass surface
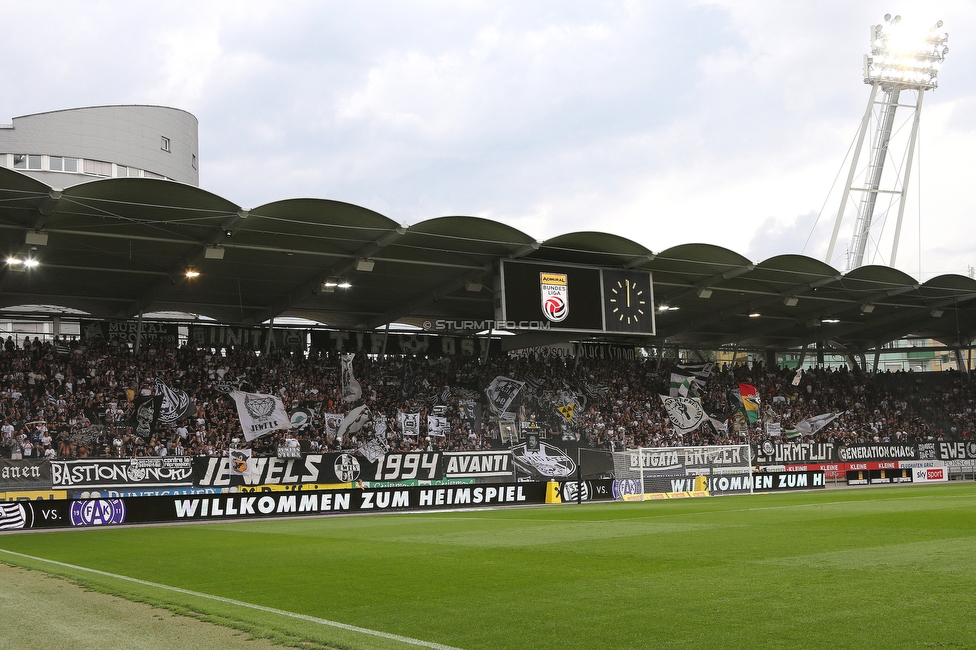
[888, 568]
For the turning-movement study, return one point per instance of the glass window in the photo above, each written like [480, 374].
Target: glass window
[121, 171]
[98, 168]
[20, 161]
[55, 163]
[33, 162]
[164, 143]
[71, 164]
[193, 160]
[133, 173]
[149, 174]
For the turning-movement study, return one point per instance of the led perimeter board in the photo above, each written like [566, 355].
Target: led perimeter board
[572, 298]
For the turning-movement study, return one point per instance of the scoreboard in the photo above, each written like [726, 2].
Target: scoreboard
[575, 298]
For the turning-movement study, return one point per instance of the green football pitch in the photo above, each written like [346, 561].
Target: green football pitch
[893, 568]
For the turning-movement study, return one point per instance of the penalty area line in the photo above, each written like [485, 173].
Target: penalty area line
[240, 603]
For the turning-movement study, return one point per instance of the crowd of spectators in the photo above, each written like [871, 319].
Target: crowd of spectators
[68, 399]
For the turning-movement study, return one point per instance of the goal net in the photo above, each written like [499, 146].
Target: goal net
[661, 471]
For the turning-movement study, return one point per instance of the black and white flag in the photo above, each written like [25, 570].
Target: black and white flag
[351, 390]
[501, 392]
[409, 423]
[685, 413]
[145, 415]
[176, 403]
[260, 414]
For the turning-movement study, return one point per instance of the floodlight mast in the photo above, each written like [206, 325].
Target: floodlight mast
[895, 64]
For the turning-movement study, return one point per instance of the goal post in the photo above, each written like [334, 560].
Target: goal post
[656, 472]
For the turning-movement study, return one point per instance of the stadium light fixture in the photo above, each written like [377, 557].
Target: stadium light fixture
[867, 308]
[704, 293]
[754, 314]
[343, 283]
[936, 313]
[905, 56]
[192, 273]
[830, 321]
[214, 252]
[790, 301]
[14, 261]
[30, 262]
[365, 264]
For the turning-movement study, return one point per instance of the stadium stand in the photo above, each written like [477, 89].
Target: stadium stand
[62, 399]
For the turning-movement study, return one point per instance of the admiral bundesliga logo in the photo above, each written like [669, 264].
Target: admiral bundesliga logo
[555, 296]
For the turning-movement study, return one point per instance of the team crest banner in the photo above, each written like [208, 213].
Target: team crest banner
[555, 295]
[260, 414]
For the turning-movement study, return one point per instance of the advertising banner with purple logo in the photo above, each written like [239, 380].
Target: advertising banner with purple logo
[125, 510]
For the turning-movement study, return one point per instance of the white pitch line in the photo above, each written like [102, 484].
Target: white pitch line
[239, 603]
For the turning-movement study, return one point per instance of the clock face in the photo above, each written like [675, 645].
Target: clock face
[628, 301]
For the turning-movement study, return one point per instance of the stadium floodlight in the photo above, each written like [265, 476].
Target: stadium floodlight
[30, 262]
[906, 57]
[903, 58]
[14, 261]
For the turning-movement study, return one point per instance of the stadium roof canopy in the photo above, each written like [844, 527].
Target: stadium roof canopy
[116, 248]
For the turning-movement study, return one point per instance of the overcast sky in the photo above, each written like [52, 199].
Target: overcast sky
[724, 122]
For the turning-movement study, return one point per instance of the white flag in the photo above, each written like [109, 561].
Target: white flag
[810, 426]
[355, 420]
[260, 414]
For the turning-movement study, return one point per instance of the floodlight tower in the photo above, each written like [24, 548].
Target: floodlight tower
[899, 61]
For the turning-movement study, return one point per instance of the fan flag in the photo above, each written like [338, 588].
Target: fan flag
[750, 402]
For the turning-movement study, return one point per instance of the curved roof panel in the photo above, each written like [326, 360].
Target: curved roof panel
[119, 247]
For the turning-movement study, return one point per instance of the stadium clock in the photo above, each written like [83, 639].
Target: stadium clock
[628, 301]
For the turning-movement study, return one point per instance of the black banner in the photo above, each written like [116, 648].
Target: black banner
[244, 338]
[125, 510]
[780, 453]
[414, 343]
[948, 451]
[28, 474]
[133, 472]
[128, 331]
[327, 469]
[852, 453]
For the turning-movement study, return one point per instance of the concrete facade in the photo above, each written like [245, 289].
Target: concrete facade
[103, 142]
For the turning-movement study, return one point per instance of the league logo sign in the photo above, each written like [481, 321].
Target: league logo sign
[555, 295]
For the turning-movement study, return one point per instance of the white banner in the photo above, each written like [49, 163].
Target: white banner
[438, 426]
[260, 414]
